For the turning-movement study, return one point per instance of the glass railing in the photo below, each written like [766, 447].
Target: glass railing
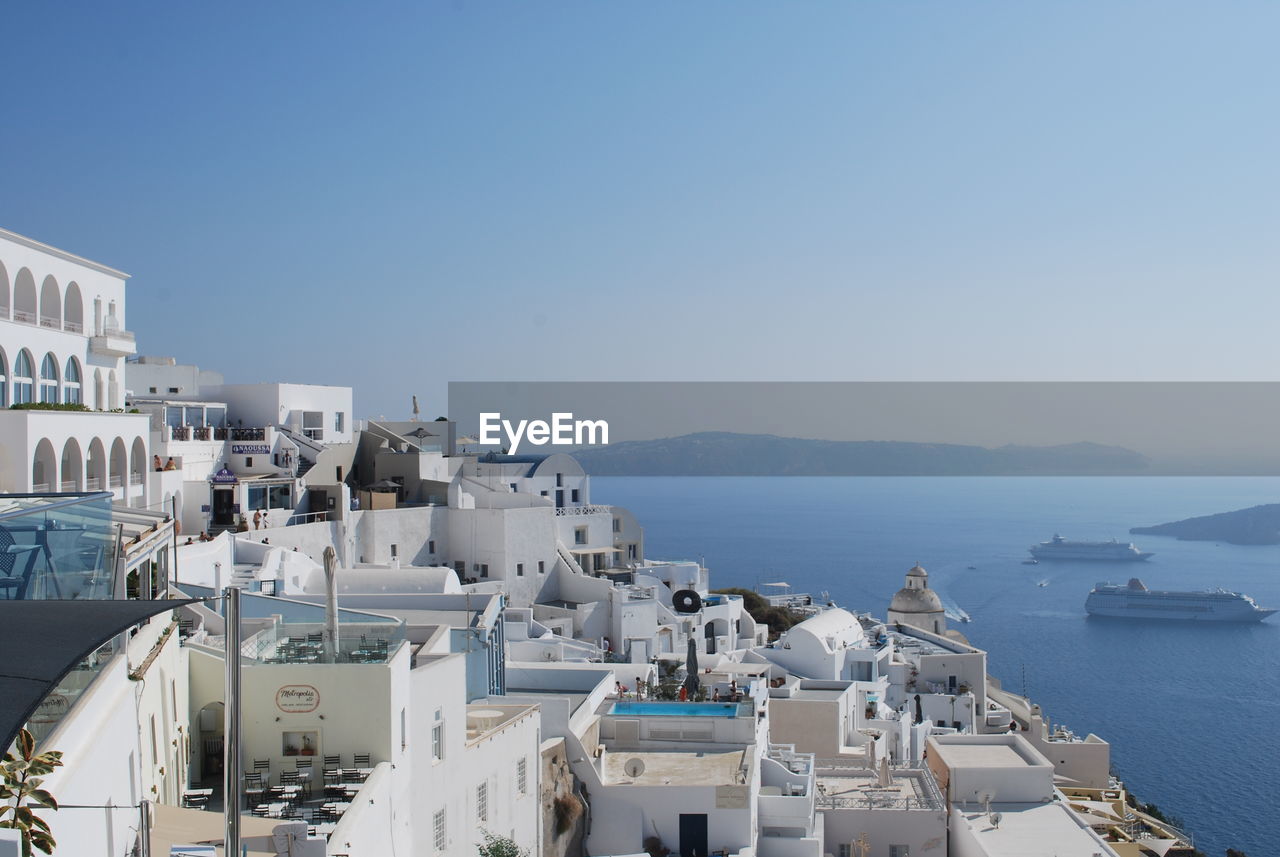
[59, 546]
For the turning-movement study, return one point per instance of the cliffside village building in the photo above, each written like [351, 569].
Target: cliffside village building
[500, 654]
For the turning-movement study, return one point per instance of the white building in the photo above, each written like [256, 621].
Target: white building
[62, 343]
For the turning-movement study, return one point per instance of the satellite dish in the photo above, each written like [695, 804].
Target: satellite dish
[995, 820]
[634, 768]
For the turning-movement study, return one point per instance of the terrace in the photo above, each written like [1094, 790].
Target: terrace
[842, 784]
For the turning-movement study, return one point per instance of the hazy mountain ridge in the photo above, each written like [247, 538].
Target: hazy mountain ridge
[732, 454]
[1257, 525]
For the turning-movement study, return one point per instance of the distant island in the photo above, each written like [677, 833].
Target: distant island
[732, 454]
[1257, 525]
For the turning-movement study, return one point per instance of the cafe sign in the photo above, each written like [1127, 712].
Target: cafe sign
[297, 698]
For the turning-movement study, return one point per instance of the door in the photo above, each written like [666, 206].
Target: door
[693, 835]
[223, 507]
[709, 632]
[559, 498]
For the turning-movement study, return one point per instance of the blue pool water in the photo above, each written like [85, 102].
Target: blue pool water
[676, 709]
[1192, 712]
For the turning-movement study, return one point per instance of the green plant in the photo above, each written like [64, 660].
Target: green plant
[20, 780]
[49, 406]
[500, 846]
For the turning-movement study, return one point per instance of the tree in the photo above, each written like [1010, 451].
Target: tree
[20, 780]
[500, 846]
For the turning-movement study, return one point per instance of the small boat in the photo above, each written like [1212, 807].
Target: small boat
[1031, 562]
[973, 568]
[1043, 583]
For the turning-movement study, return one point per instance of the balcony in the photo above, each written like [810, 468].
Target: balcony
[24, 317]
[576, 511]
[113, 342]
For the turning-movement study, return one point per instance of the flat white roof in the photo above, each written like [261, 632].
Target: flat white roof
[1034, 830]
[61, 254]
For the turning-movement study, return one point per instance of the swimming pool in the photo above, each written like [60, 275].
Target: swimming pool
[677, 709]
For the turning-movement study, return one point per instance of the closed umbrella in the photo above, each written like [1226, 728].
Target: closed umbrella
[691, 683]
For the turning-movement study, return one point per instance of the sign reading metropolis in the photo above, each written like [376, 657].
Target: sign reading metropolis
[297, 698]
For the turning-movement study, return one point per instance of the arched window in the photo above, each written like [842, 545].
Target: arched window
[73, 314]
[4, 380]
[4, 292]
[23, 379]
[71, 383]
[24, 297]
[50, 304]
[49, 379]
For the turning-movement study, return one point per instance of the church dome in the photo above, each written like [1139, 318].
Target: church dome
[916, 601]
[916, 596]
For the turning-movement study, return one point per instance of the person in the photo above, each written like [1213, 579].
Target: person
[266, 541]
[170, 464]
[155, 463]
[715, 695]
[205, 537]
[257, 519]
[190, 540]
[684, 693]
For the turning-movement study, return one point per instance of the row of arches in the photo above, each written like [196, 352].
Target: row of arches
[76, 469]
[48, 305]
[55, 382]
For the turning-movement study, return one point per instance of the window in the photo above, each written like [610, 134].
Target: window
[542, 567]
[559, 480]
[71, 383]
[899, 851]
[514, 489]
[431, 546]
[482, 802]
[846, 849]
[175, 390]
[155, 755]
[519, 569]
[395, 551]
[543, 493]
[438, 832]
[522, 776]
[617, 525]
[339, 420]
[573, 495]
[437, 735]
[580, 535]
[280, 496]
[23, 379]
[404, 730]
[4, 381]
[49, 379]
[484, 569]
[248, 461]
[151, 389]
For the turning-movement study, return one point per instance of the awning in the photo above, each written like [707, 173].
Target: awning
[144, 531]
[778, 583]
[594, 550]
[44, 640]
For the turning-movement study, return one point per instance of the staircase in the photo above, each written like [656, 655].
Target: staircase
[304, 465]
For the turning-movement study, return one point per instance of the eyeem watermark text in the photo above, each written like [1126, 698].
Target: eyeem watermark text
[563, 430]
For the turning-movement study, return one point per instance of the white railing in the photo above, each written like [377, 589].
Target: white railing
[40, 488]
[23, 316]
[73, 327]
[135, 478]
[69, 486]
[93, 483]
[115, 481]
[570, 511]
[51, 323]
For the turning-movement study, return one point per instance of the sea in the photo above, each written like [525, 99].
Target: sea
[1192, 712]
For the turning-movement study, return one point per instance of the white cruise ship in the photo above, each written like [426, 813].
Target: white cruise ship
[1134, 601]
[1108, 551]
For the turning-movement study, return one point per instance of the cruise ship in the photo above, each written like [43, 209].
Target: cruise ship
[1108, 551]
[1134, 601]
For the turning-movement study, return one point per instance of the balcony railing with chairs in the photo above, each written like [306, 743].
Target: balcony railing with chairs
[207, 433]
[23, 316]
[51, 323]
[73, 327]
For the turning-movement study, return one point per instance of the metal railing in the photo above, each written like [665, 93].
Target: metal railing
[248, 434]
[570, 511]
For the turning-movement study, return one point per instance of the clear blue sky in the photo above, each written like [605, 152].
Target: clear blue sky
[393, 196]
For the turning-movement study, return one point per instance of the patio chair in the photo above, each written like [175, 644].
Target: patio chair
[332, 763]
[360, 760]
